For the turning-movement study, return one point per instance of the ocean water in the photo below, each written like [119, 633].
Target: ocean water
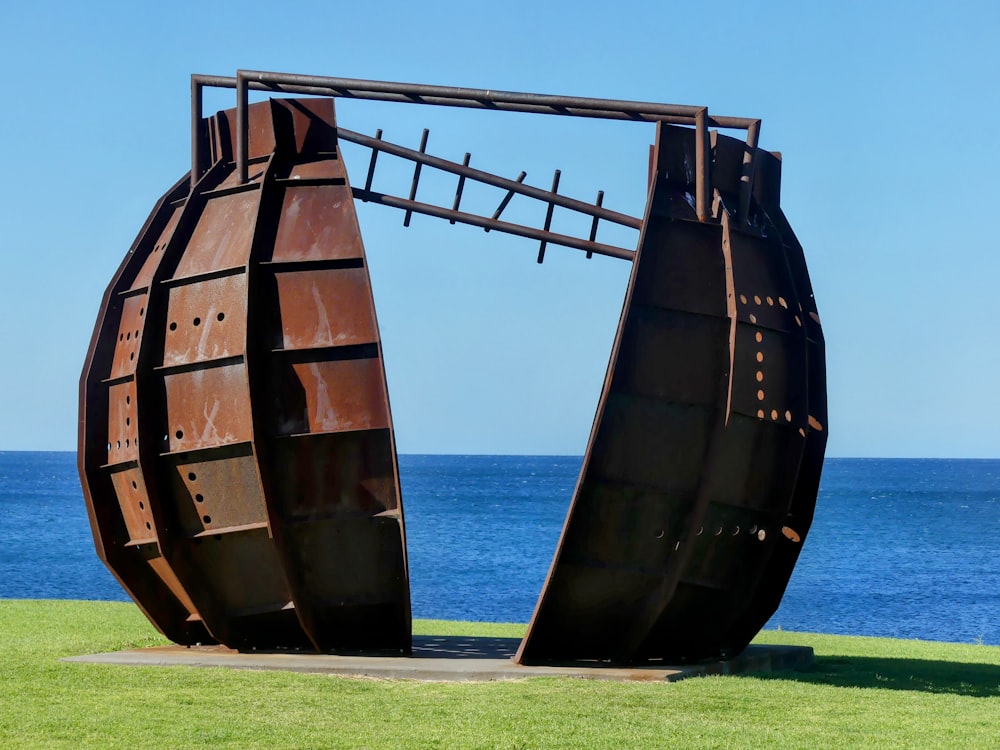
[906, 548]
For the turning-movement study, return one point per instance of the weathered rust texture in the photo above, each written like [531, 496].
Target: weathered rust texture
[237, 451]
[236, 442]
[703, 464]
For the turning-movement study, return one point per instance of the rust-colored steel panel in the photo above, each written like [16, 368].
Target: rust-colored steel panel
[323, 308]
[238, 342]
[236, 441]
[301, 236]
[207, 320]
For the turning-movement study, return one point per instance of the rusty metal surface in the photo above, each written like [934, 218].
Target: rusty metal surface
[236, 441]
[697, 488]
[242, 481]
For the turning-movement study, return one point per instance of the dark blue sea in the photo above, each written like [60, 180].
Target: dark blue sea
[907, 548]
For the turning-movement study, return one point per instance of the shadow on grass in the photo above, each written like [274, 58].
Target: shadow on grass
[948, 677]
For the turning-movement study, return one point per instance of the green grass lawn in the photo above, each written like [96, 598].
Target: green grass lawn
[863, 692]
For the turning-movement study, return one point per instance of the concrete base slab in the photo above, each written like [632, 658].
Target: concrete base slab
[452, 659]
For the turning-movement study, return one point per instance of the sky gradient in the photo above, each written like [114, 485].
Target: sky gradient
[880, 111]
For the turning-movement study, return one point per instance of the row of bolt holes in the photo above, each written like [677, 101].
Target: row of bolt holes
[197, 321]
[122, 337]
[770, 302]
[128, 423]
[198, 498]
[761, 534]
[759, 337]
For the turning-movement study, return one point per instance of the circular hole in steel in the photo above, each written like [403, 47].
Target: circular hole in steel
[798, 321]
[134, 485]
[791, 534]
[196, 321]
[701, 529]
[131, 355]
[126, 442]
[760, 356]
[142, 311]
[658, 533]
[137, 333]
[142, 505]
[128, 421]
[753, 318]
[758, 337]
[199, 498]
[220, 317]
[735, 531]
[173, 326]
[760, 376]
[718, 531]
[179, 434]
[192, 476]
[788, 416]
[760, 395]
[781, 301]
[761, 535]
[128, 400]
[770, 301]
[774, 414]
[756, 299]
[206, 519]
[128, 336]
[118, 444]
[760, 414]
[148, 525]
[121, 336]
[743, 298]
[753, 529]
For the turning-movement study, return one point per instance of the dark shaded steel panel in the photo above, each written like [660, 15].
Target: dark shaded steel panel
[337, 499]
[214, 493]
[691, 474]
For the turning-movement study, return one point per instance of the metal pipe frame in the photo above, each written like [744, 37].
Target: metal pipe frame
[453, 96]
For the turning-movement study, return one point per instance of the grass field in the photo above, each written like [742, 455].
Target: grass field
[863, 692]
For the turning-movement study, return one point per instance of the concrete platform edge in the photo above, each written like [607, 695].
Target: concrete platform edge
[428, 668]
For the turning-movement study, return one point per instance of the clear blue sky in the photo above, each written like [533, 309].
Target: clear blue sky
[883, 111]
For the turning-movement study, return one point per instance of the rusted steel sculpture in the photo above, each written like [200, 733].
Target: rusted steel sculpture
[236, 444]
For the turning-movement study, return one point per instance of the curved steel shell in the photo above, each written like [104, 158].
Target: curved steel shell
[236, 443]
[703, 465]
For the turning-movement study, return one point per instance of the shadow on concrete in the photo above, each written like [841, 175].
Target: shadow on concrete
[463, 647]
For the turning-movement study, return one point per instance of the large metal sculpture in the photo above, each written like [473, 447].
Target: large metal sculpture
[236, 444]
